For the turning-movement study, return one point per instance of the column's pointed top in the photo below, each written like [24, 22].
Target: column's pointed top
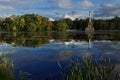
[89, 16]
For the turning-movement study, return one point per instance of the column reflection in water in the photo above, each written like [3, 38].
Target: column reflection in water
[89, 30]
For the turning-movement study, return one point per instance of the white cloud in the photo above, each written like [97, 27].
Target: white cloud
[2, 7]
[85, 4]
[108, 10]
[51, 19]
[5, 15]
[68, 16]
[65, 4]
[72, 15]
[27, 6]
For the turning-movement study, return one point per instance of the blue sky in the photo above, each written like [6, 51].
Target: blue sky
[57, 9]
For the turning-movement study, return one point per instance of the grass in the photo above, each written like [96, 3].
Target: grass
[90, 70]
[85, 69]
[7, 70]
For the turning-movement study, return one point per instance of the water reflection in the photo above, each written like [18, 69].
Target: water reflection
[67, 42]
[89, 30]
[33, 39]
[58, 50]
[38, 53]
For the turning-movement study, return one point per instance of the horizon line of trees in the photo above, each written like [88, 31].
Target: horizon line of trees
[34, 22]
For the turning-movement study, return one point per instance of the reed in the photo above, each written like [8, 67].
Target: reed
[85, 69]
[7, 70]
[90, 70]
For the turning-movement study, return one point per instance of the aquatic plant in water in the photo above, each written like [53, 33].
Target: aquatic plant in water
[86, 69]
[7, 70]
[90, 70]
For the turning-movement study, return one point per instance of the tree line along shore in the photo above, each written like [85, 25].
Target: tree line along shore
[34, 22]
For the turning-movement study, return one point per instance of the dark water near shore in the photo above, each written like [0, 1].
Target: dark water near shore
[38, 53]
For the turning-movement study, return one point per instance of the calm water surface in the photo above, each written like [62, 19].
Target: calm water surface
[39, 53]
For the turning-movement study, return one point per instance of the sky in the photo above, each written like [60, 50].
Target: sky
[58, 9]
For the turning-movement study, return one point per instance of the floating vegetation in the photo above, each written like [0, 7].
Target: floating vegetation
[90, 70]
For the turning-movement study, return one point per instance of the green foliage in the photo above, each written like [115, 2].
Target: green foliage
[7, 70]
[34, 22]
[61, 26]
[22, 23]
[34, 39]
[14, 28]
[61, 36]
[69, 22]
[89, 70]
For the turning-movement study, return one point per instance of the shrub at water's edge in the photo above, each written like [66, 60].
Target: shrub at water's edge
[90, 70]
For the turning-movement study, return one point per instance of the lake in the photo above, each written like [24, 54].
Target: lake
[38, 53]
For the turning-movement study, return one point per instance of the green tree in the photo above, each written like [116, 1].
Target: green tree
[61, 26]
[9, 24]
[49, 26]
[14, 28]
[22, 23]
[69, 22]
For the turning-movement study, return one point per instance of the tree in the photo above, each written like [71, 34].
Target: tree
[14, 28]
[9, 23]
[49, 26]
[69, 22]
[61, 26]
[22, 23]
[1, 24]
